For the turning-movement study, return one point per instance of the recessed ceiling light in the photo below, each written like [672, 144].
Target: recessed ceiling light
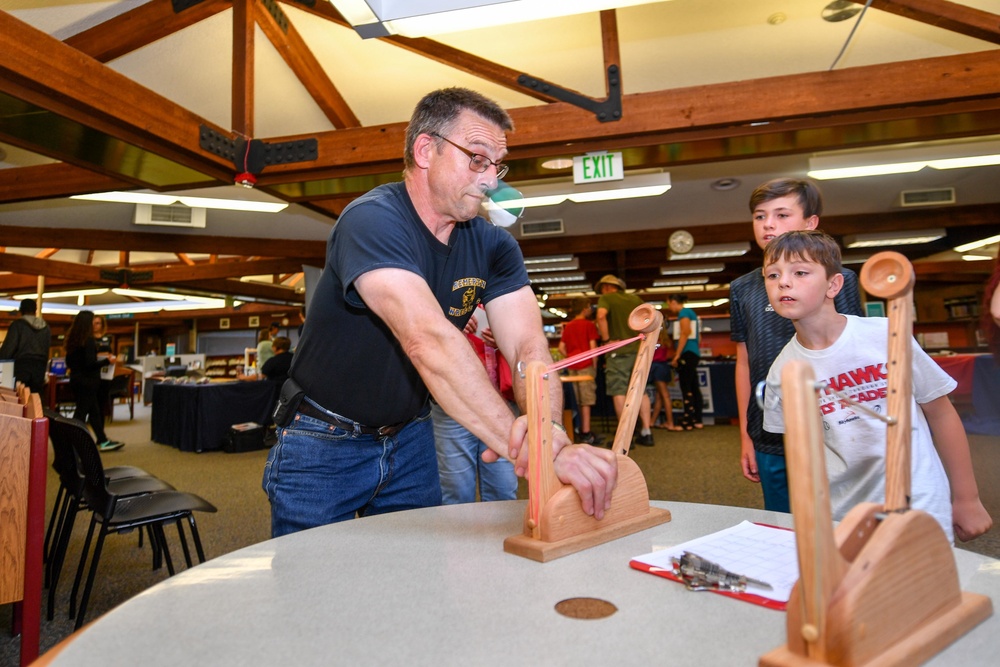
[724, 184]
[840, 10]
[777, 18]
[558, 163]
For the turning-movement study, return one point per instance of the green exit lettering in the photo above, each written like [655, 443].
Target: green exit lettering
[598, 167]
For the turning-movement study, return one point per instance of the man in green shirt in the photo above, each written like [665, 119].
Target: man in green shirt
[613, 310]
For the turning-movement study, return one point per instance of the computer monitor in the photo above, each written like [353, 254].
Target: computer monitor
[57, 366]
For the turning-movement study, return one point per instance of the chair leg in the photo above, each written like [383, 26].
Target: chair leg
[57, 510]
[55, 565]
[95, 560]
[197, 538]
[184, 543]
[82, 565]
[162, 539]
[54, 532]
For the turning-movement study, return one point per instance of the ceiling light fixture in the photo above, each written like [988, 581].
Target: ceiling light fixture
[706, 304]
[192, 202]
[713, 251]
[560, 278]
[893, 238]
[571, 265]
[567, 289]
[904, 160]
[528, 261]
[976, 258]
[691, 268]
[965, 247]
[421, 18]
[558, 163]
[548, 194]
[680, 282]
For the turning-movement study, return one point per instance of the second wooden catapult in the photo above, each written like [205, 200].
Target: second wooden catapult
[555, 524]
[881, 589]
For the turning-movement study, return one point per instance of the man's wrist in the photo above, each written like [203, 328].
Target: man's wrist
[559, 426]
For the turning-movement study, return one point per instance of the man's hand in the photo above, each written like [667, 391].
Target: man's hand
[592, 471]
[748, 460]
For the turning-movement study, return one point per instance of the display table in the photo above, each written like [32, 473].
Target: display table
[434, 587]
[196, 417]
[977, 396]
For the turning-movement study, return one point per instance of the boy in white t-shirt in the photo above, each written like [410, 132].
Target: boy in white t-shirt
[802, 277]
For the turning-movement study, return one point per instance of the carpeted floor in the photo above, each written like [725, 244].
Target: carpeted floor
[696, 466]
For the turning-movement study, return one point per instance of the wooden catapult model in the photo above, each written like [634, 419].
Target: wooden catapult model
[555, 524]
[881, 589]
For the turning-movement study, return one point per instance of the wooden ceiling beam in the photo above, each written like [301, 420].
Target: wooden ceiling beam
[141, 26]
[243, 67]
[45, 72]
[102, 239]
[948, 15]
[815, 95]
[33, 266]
[47, 181]
[202, 272]
[250, 290]
[296, 53]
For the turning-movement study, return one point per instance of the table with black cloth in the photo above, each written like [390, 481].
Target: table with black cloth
[196, 417]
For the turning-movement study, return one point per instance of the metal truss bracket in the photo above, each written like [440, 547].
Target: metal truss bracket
[259, 154]
[276, 13]
[606, 110]
[181, 5]
[125, 277]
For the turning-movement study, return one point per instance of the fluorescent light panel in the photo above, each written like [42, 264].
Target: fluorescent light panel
[561, 278]
[713, 251]
[566, 289]
[677, 282]
[547, 259]
[691, 268]
[421, 18]
[571, 265]
[192, 202]
[893, 238]
[904, 160]
[549, 194]
[965, 247]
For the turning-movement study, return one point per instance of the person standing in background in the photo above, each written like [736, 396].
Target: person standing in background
[27, 343]
[613, 310]
[103, 342]
[265, 349]
[85, 366]
[687, 355]
[580, 335]
[661, 373]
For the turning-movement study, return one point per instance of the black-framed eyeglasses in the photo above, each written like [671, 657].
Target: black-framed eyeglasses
[477, 163]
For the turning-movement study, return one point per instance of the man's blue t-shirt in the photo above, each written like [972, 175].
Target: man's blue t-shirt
[348, 360]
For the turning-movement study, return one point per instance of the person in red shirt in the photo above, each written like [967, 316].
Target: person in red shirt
[580, 335]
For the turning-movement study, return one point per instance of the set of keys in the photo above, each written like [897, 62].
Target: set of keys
[701, 574]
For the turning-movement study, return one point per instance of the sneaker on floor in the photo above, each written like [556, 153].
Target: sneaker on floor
[645, 440]
[110, 445]
[590, 438]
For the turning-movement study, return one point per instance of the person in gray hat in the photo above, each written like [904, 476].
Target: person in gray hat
[613, 310]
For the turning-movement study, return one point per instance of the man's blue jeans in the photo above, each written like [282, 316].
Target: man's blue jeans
[460, 463]
[318, 473]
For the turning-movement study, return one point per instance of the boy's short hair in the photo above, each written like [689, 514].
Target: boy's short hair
[679, 298]
[281, 344]
[808, 193]
[807, 244]
[578, 305]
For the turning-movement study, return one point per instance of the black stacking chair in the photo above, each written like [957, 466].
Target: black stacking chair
[70, 500]
[118, 513]
[65, 462]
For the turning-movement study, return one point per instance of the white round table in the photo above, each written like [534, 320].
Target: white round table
[434, 587]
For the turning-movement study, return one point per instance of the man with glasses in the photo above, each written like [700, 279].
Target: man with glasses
[407, 264]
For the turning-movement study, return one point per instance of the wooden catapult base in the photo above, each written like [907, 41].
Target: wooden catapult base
[883, 588]
[898, 603]
[555, 524]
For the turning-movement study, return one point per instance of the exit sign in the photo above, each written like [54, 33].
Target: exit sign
[597, 167]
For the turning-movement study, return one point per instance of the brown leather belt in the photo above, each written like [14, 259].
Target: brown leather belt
[306, 408]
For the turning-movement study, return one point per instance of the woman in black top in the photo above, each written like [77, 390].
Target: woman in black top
[85, 376]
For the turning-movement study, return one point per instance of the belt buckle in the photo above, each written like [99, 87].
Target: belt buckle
[385, 431]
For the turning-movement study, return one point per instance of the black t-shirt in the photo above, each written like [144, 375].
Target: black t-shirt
[347, 359]
[765, 332]
[276, 368]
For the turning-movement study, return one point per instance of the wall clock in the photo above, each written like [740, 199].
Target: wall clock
[681, 242]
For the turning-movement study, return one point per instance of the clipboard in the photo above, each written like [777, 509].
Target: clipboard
[756, 550]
